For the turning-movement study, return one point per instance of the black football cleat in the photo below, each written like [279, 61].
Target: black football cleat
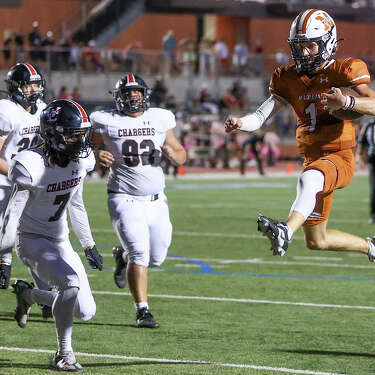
[120, 269]
[144, 319]
[46, 311]
[23, 307]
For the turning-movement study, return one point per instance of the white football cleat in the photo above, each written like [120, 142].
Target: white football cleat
[66, 362]
[276, 232]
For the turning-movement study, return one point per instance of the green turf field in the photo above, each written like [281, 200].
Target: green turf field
[224, 303]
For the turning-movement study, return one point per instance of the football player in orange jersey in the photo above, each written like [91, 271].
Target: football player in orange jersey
[326, 142]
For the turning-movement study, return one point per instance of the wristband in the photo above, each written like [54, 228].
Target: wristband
[349, 102]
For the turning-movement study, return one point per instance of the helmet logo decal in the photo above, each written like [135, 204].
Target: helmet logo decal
[52, 114]
[326, 20]
[34, 76]
[131, 80]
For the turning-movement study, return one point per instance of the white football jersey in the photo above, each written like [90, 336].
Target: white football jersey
[52, 188]
[135, 144]
[20, 130]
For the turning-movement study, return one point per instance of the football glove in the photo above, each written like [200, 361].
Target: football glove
[94, 258]
[4, 275]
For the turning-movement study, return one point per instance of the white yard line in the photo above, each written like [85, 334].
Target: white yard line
[242, 300]
[177, 361]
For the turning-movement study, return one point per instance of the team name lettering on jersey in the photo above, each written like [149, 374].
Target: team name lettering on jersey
[136, 132]
[30, 130]
[63, 185]
[309, 97]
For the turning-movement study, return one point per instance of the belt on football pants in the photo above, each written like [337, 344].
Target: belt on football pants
[153, 197]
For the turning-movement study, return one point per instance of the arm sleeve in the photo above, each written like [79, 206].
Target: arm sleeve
[79, 219]
[12, 216]
[255, 120]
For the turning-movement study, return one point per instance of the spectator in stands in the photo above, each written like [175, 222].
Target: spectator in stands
[206, 58]
[8, 41]
[63, 94]
[75, 95]
[158, 93]
[19, 51]
[239, 58]
[258, 59]
[229, 102]
[221, 56]
[170, 103]
[75, 54]
[133, 57]
[35, 40]
[63, 55]
[271, 150]
[207, 103]
[239, 92]
[252, 148]
[281, 57]
[189, 55]
[169, 49]
[218, 141]
[47, 55]
[91, 58]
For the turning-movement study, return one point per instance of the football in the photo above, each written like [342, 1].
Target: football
[347, 114]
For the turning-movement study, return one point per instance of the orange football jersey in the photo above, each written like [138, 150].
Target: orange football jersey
[316, 128]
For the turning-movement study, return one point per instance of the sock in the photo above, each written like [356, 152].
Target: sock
[141, 305]
[62, 310]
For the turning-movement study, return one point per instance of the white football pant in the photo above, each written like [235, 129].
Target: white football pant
[142, 226]
[58, 265]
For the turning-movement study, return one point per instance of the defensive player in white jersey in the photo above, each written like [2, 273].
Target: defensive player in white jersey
[53, 175]
[131, 140]
[19, 130]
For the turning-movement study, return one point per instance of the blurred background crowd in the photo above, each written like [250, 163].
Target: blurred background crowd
[202, 60]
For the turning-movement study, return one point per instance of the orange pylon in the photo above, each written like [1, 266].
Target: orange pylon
[289, 168]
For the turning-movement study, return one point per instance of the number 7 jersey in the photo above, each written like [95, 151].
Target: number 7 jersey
[317, 130]
[135, 143]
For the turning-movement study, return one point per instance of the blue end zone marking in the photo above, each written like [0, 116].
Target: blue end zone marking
[205, 268]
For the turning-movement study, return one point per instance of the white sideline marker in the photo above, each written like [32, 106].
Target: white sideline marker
[164, 360]
[241, 300]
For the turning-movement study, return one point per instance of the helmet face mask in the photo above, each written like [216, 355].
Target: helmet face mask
[66, 131]
[312, 26]
[25, 85]
[126, 97]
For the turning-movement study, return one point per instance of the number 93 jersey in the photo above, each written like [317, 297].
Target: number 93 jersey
[51, 188]
[135, 143]
[19, 129]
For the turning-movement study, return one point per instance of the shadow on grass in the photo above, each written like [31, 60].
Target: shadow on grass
[89, 365]
[328, 352]
[33, 318]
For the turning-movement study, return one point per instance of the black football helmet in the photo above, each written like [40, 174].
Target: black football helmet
[66, 130]
[20, 75]
[124, 102]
